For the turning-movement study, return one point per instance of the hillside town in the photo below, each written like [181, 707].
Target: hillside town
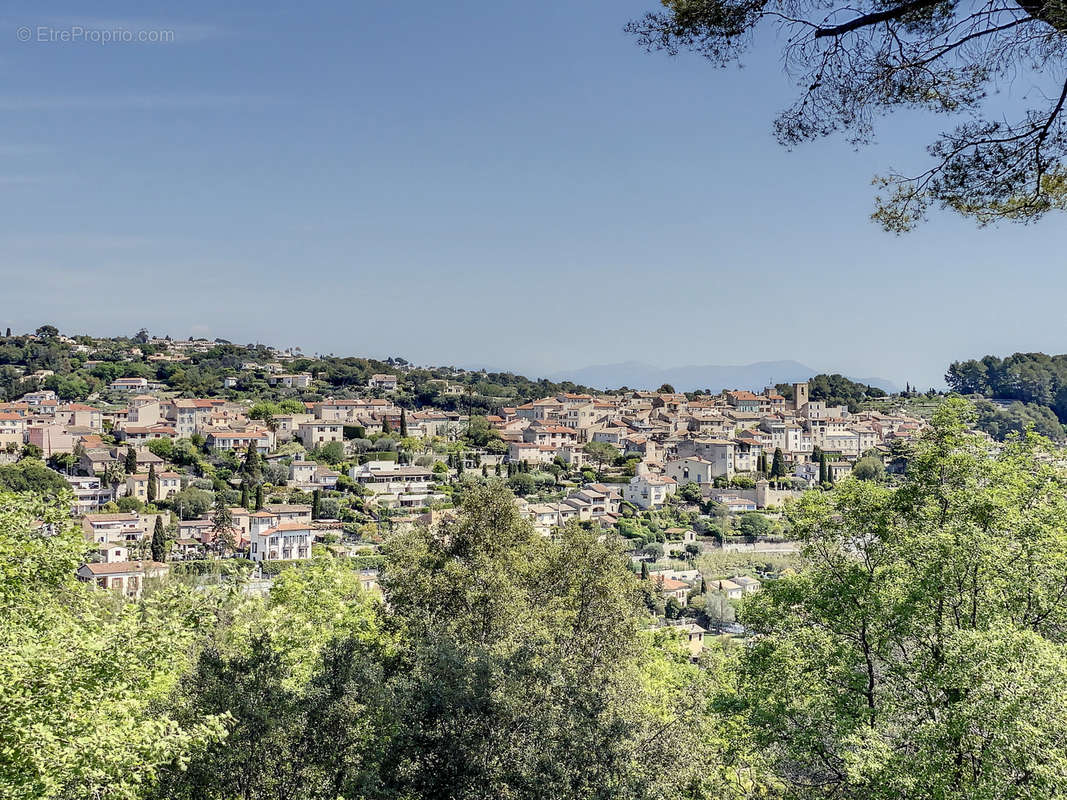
[161, 477]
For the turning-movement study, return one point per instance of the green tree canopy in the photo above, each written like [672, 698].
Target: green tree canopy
[83, 678]
[921, 652]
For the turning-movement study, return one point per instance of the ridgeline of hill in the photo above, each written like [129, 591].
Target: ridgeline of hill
[1022, 388]
[1010, 394]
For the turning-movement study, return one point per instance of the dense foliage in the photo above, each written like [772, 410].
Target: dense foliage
[84, 677]
[922, 652]
[201, 375]
[918, 650]
[1028, 377]
[1000, 420]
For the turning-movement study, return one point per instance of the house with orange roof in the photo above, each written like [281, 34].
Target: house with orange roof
[12, 429]
[270, 540]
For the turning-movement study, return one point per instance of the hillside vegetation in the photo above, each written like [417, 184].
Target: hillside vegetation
[918, 650]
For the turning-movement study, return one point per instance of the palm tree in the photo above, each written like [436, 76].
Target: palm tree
[113, 476]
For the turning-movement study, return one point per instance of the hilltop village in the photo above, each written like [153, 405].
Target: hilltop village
[278, 458]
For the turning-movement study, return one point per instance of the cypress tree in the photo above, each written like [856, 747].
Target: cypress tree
[131, 461]
[316, 503]
[244, 494]
[251, 463]
[778, 466]
[386, 428]
[403, 424]
[644, 570]
[159, 542]
[259, 497]
[151, 493]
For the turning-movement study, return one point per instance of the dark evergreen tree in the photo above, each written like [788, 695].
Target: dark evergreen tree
[244, 494]
[159, 541]
[250, 467]
[259, 497]
[150, 493]
[131, 461]
[778, 465]
[403, 423]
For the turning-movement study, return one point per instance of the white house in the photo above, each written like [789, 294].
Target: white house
[271, 540]
[386, 382]
[395, 485]
[648, 491]
[129, 385]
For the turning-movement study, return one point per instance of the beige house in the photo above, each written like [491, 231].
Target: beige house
[77, 415]
[693, 636]
[168, 484]
[316, 432]
[125, 577]
[12, 428]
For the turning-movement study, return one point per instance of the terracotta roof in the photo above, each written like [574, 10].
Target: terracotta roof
[671, 585]
[287, 526]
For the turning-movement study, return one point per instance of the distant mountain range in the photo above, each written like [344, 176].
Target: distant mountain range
[640, 375]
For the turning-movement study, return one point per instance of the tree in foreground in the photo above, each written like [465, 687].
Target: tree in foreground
[922, 651]
[856, 61]
[222, 524]
[526, 670]
[83, 676]
[504, 665]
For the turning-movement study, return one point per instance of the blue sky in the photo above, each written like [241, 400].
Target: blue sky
[514, 184]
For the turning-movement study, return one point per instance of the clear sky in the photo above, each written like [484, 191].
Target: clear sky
[510, 183]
